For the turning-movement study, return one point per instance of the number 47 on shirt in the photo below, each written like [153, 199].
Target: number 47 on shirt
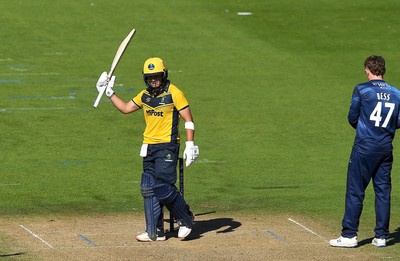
[377, 112]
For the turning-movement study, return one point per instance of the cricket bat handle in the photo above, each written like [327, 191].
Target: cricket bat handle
[96, 103]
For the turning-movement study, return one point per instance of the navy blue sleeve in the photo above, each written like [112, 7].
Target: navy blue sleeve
[354, 112]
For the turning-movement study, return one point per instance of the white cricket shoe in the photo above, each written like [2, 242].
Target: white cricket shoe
[344, 242]
[379, 242]
[184, 231]
[144, 237]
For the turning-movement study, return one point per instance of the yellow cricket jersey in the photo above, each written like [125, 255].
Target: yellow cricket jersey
[161, 114]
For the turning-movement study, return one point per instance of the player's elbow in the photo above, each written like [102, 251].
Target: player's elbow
[128, 108]
[125, 110]
[353, 124]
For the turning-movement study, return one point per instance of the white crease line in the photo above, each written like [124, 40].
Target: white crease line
[38, 237]
[307, 229]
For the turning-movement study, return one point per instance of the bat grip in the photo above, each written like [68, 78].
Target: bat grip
[96, 103]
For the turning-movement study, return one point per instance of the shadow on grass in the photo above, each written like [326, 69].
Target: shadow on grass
[394, 238]
[14, 254]
[221, 225]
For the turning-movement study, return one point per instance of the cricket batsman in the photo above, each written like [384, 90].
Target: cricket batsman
[163, 105]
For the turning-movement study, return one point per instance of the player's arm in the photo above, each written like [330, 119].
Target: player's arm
[105, 85]
[354, 111]
[398, 111]
[187, 117]
[122, 106]
[191, 152]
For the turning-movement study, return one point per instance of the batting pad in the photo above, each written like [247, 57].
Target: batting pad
[151, 205]
[173, 200]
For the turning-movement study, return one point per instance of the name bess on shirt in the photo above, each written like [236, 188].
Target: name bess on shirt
[383, 96]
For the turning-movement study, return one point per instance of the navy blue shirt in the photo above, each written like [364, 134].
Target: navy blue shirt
[374, 113]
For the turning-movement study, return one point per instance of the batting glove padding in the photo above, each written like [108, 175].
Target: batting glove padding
[102, 82]
[191, 153]
[110, 85]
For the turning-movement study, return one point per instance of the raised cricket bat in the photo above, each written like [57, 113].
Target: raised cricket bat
[117, 58]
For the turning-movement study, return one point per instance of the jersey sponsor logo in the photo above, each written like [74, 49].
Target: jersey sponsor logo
[383, 85]
[155, 113]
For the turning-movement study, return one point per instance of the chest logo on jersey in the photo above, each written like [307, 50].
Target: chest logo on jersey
[155, 113]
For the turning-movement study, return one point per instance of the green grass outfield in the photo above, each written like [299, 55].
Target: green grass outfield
[269, 93]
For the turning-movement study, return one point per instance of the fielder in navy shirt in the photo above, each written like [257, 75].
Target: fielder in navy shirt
[374, 113]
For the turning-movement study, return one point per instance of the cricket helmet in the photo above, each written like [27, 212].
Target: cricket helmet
[153, 66]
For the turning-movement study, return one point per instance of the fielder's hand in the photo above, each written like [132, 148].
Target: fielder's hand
[191, 153]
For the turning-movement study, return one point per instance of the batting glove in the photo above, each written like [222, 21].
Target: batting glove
[109, 91]
[191, 153]
[102, 82]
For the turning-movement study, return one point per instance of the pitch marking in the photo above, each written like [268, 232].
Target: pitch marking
[275, 235]
[87, 240]
[306, 228]
[38, 237]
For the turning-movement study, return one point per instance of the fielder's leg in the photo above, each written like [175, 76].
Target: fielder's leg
[360, 170]
[151, 205]
[383, 186]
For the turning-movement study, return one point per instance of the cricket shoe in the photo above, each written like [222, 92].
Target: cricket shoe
[144, 237]
[379, 242]
[344, 242]
[184, 231]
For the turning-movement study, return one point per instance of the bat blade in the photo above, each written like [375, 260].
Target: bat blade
[117, 58]
[120, 52]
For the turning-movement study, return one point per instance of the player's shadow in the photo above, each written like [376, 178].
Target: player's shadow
[394, 238]
[220, 225]
[11, 255]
